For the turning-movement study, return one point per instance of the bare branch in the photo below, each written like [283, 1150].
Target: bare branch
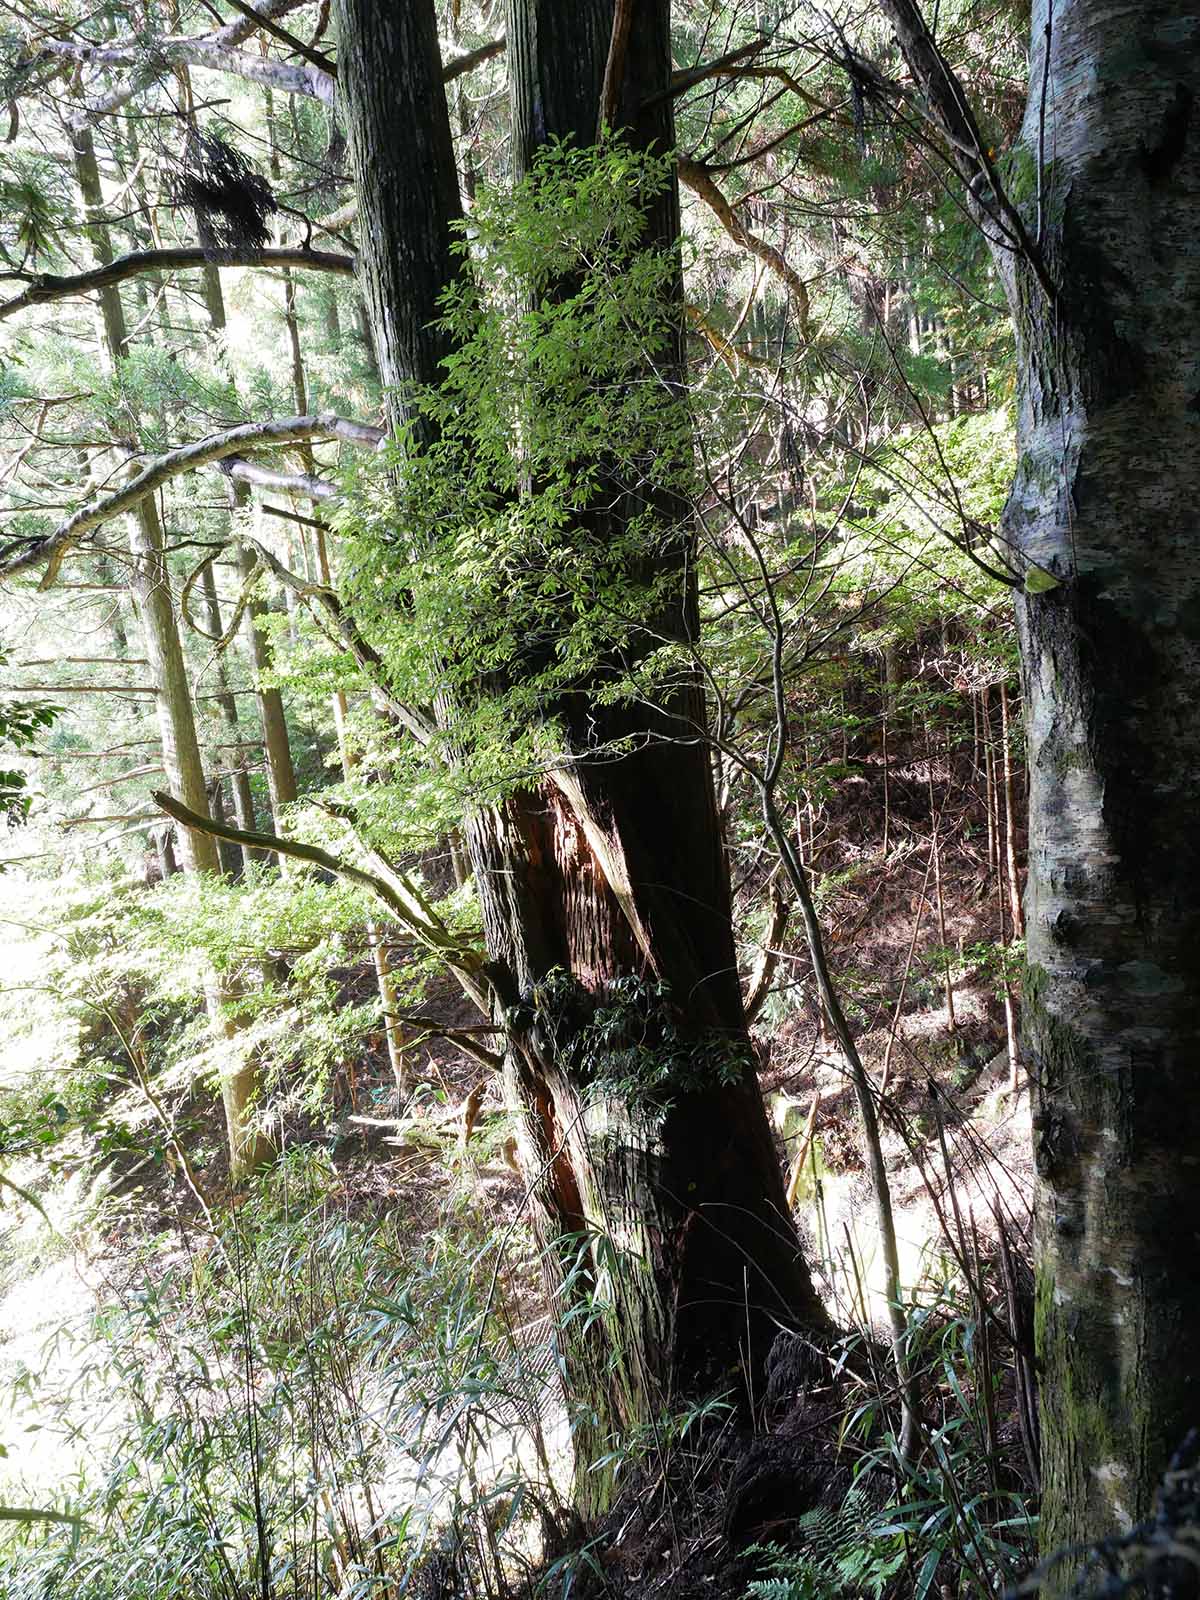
[44, 287]
[267, 478]
[77, 688]
[685, 77]
[731, 354]
[699, 179]
[261, 20]
[337, 221]
[472, 59]
[461, 1038]
[293, 516]
[346, 632]
[206, 53]
[189, 457]
[950, 111]
[780, 75]
[255, 17]
[216, 52]
[408, 908]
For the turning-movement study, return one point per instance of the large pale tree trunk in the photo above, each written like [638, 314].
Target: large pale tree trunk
[1106, 498]
[1103, 519]
[671, 1229]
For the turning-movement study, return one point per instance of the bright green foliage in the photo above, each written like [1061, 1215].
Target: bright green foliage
[494, 542]
[845, 1551]
[20, 725]
[123, 993]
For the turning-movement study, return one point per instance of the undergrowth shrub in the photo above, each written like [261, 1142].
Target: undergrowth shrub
[959, 1517]
[301, 1402]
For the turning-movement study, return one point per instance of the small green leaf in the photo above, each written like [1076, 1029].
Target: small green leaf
[1039, 581]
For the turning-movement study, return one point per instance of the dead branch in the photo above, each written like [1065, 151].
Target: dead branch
[407, 906]
[188, 458]
[698, 178]
[472, 59]
[768, 958]
[262, 20]
[686, 77]
[267, 478]
[45, 287]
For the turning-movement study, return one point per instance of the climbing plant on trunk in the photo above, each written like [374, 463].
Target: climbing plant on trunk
[668, 1243]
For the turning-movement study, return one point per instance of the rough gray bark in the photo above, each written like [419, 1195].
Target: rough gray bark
[1103, 517]
[1105, 498]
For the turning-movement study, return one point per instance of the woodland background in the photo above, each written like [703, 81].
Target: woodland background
[277, 1318]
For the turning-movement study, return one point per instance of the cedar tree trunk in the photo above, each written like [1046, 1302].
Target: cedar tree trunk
[669, 1247]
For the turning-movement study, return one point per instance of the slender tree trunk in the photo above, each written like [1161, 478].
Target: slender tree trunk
[243, 803]
[149, 580]
[150, 587]
[277, 747]
[228, 854]
[989, 789]
[935, 823]
[164, 845]
[1010, 818]
[671, 1228]
[393, 1030]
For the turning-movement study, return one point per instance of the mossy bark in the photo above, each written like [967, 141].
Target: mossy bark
[1105, 501]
